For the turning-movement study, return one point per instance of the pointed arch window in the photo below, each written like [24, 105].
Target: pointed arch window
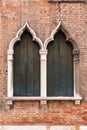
[26, 67]
[60, 67]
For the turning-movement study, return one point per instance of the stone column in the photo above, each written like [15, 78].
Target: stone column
[10, 74]
[43, 72]
[76, 73]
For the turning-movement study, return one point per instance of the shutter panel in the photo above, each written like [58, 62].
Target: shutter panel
[60, 67]
[26, 72]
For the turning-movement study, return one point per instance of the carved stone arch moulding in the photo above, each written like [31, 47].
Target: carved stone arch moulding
[20, 32]
[76, 54]
[61, 27]
[10, 53]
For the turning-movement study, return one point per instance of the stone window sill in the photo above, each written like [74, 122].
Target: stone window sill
[67, 0]
[45, 99]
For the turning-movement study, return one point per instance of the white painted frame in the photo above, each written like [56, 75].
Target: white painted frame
[43, 65]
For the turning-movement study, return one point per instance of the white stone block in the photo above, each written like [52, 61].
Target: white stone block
[0, 127]
[62, 128]
[83, 127]
[24, 128]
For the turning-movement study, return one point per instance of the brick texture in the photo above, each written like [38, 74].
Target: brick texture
[43, 17]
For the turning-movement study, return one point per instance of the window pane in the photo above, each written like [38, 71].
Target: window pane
[26, 66]
[59, 67]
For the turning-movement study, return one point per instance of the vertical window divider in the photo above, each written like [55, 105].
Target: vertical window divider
[43, 74]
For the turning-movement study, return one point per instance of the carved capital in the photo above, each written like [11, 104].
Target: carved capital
[43, 54]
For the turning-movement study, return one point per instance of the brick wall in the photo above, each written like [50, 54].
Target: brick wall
[43, 17]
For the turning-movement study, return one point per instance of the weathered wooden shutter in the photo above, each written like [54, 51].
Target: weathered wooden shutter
[26, 72]
[59, 67]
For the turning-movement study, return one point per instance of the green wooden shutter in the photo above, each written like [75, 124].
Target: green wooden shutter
[59, 67]
[26, 72]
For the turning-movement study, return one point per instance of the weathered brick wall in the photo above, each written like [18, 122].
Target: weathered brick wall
[43, 17]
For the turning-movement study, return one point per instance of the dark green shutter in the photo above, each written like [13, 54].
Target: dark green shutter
[59, 67]
[26, 66]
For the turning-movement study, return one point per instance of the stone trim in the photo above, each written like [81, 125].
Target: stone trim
[67, 1]
[43, 98]
[20, 32]
[42, 127]
[51, 38]
[61, 27]
[77, 99]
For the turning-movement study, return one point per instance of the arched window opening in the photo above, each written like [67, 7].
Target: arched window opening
[26, 67]
[60, 67]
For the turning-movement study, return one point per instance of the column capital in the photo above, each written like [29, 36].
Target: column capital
[43, 55]
[43, 51]
[10, 55]
[76, 51]
[10, 52]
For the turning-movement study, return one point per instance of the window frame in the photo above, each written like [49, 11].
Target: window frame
[43, 66]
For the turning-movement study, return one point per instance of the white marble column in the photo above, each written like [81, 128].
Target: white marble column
[10, 73]
[76, 73]
[76, 77]
[43, 72]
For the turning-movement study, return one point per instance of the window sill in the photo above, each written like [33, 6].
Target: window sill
[76, 99]
[67, 0]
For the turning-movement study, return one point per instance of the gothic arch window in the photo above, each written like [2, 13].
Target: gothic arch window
[60, 67]
[26, 67]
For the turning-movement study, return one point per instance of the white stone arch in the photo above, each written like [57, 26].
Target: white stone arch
[51, 38]
[10, 53]
[61, 27]
[20, 32]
